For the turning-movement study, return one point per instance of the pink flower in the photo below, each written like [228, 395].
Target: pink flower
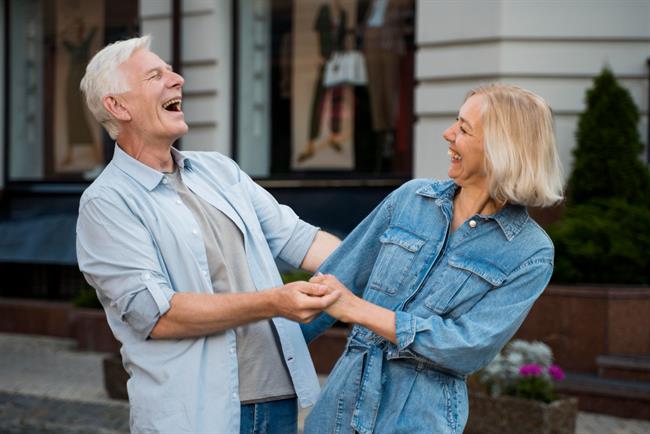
[531, 370]
[556, 372]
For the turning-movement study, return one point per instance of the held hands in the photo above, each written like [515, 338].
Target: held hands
[303, 301]
[345, 306]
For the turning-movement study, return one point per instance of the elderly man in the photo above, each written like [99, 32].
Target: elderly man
[180, 248]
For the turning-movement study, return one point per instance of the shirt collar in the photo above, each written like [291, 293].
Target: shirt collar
[145, 175]
[511, 218]
[439, 190]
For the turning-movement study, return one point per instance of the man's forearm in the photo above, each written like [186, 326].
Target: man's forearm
[193, 314]
[323, 245]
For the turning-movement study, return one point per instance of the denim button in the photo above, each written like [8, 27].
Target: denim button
[472, 224]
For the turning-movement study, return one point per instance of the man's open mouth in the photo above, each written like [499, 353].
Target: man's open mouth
[173, 105]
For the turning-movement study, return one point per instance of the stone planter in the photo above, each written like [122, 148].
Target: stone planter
[115, 377]
[91, 331]
[581, 323]
[326, 349]
[508, 415]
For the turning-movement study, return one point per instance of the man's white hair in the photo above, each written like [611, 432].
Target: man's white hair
[103, 78]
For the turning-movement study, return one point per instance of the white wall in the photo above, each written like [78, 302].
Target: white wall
[205, 64]
[552, 48]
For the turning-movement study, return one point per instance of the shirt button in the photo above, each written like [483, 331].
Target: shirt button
[195, 232]
[178, 201]
[232, 351]
[146, 276]
[164, 181]
[472, 223]
[234, 396]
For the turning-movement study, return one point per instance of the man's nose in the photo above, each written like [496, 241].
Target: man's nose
[176, 80]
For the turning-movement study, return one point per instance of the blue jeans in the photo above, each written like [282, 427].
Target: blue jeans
[273, 417]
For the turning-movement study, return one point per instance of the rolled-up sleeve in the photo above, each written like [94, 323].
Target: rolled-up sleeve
[118, 257]
[469, 342]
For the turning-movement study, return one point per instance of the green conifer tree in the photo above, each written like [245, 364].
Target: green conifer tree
[607, 163]
[604, 235]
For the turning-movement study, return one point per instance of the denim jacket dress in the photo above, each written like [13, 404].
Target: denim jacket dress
[459, 297]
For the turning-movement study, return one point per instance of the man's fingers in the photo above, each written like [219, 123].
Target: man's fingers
[313, 289]
[318, 278]
[329, 299]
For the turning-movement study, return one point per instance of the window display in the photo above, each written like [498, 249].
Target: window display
[53, 136]
[341, 78]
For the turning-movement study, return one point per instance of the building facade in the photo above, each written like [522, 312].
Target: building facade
[330, 137]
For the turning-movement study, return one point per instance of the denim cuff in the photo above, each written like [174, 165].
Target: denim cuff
[404, 329]
[295, 250]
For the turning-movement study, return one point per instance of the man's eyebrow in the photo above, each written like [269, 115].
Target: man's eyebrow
[158, 68]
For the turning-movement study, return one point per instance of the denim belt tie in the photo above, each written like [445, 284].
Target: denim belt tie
[367, 405]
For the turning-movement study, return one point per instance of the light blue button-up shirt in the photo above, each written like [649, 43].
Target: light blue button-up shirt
[138, 244]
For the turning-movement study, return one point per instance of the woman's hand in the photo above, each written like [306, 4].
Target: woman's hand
[344, 308]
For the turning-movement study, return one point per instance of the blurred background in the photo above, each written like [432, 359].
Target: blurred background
[331, 105]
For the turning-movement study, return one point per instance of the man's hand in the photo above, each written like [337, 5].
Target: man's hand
[352, 309]
[303, 301]
[343, 308]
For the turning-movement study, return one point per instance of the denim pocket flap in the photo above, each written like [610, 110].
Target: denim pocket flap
[402, 238]
[480, 267]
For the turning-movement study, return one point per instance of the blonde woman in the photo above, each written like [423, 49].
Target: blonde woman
[442, 273]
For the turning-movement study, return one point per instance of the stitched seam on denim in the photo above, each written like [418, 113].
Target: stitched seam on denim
[530, 262]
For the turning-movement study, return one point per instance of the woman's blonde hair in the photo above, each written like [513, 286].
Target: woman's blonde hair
[521, 156]
[103, 77]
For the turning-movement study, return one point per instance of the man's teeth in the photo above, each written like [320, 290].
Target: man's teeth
[453, 155]
[171, 102]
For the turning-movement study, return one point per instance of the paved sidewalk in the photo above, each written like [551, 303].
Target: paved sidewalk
[47, 387]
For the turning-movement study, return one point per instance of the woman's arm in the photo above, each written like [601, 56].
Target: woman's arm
[352, 309]
[464, 344]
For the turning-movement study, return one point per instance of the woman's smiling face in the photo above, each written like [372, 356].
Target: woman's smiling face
[466, 146]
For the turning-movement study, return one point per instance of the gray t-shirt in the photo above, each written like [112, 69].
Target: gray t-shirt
[263, 376]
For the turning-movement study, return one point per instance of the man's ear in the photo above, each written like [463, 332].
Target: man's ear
[115, 108]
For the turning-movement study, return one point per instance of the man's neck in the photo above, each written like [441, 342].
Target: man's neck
[156, 155]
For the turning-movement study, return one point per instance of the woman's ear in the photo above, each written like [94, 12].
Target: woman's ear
[113, 105]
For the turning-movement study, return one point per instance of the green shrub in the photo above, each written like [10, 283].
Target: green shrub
[604, 235]
[295, 276]
[602, 242]
[606, 157]
[87, 298]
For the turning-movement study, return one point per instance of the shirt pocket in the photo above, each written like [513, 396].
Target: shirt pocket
[462, 284]
[399, 248]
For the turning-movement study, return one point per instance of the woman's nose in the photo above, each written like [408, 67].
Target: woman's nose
[449, 134]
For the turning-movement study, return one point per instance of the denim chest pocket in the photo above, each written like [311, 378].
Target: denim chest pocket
[462, 284]
[399, 249]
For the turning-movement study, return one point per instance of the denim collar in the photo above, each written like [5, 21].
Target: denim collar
[145, 175]
[511, 218]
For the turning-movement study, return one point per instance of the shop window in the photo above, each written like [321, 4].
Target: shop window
[324, 88]
[52, 135]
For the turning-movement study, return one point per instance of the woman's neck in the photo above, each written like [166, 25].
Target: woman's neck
[469, 202]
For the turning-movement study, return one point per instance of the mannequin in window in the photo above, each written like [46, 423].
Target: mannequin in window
[330, 24]
[77, 43]
[383, 41]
